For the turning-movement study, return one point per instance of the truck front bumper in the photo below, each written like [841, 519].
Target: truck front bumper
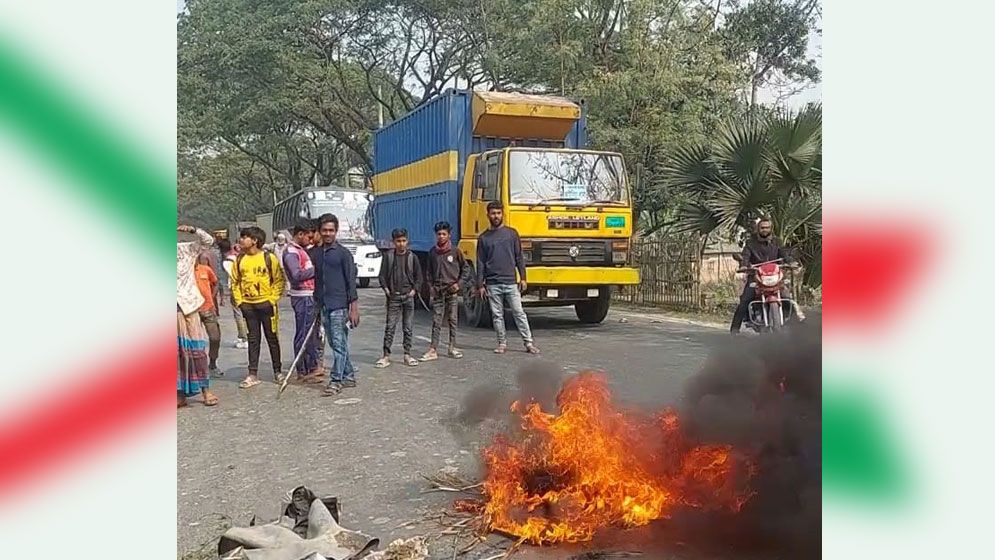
[581, 276]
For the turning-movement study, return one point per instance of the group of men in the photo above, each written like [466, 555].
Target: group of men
[319, 275]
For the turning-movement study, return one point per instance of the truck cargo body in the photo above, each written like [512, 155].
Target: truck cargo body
[447, 159]
[419, 161]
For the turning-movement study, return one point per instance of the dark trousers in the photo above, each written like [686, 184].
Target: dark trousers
[743, 309]
[304, 314]
[445, 305]
[402, 307]
[262, 318]
[210, 321]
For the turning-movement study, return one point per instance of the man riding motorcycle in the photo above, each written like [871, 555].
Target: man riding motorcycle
[760, 248]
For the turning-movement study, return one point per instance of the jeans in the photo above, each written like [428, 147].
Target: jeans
[262, 318]
[304, 314]
[497, 295]
[337, 331]
[445, 303]
[402, 307]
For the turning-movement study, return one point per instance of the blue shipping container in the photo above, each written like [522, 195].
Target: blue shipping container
[418, 164]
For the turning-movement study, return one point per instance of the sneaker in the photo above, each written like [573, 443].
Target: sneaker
[242, 343]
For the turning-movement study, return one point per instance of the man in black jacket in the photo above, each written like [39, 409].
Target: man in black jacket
[499, 258]
[446, 267]
[400, 278]
[760, 248]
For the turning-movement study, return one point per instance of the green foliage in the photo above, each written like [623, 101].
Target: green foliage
[754, 167]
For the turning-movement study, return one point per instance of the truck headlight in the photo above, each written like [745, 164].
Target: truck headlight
[373, 255]
[527, 256]
[619, 256]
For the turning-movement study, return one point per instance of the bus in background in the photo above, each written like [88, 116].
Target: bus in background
[351, 207]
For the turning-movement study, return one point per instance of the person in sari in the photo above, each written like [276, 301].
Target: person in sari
[192, 341]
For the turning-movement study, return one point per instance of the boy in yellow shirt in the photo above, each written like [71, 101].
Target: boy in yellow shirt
[257, 284]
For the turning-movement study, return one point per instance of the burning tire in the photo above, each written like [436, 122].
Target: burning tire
[594, 311]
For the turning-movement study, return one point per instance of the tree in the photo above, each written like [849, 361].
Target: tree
[770, 39]
[757, 167]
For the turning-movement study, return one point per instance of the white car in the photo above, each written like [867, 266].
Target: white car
[368, 259]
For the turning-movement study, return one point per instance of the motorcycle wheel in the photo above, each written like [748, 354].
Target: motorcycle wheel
[776, 316]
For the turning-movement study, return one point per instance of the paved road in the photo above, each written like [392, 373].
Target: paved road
[242, 456]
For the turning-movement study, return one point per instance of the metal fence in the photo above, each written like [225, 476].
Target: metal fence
[669, 273]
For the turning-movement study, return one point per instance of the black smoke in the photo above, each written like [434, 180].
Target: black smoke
[763, 395]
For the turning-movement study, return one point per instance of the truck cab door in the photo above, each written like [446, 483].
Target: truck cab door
[483, 173]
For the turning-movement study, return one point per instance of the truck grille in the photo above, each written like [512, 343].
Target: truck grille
[585, 252]
[560, 222]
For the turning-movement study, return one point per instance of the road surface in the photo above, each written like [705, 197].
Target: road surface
[242, 456]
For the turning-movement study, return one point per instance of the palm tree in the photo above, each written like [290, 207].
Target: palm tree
[761, 166]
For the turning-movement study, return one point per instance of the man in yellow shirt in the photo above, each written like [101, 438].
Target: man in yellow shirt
[257, 284]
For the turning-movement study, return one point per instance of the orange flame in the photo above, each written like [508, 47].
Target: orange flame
[593, 466]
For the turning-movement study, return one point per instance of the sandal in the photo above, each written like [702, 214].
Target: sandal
[333, 388]
[501, 349]
[181, 403]
[211, 400]
[429, 356]
[455, 354]
[532, 349]
[409, 361]
[313, 378]
[278, 378]
[382, 363]
[246, 383]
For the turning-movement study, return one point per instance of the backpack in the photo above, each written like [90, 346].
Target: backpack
[268, 257]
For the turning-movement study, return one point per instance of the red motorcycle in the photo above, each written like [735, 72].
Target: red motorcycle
[769, 310]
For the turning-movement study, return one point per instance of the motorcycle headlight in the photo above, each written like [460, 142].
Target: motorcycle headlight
[770, 281]
[373, 255]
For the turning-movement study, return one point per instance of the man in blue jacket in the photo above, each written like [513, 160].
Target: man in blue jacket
[335, 294]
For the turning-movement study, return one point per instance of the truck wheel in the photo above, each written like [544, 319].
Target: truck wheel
[594, 311]
[476, 309]
[364, 283]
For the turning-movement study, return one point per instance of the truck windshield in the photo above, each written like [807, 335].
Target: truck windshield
[349, 207]
[568, 178]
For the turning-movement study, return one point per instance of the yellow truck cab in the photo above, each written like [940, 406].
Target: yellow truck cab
[571, 206]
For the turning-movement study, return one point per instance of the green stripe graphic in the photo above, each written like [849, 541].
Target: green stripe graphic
[859, 459]
[103, 165]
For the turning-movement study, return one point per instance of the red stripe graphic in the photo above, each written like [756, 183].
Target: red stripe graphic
[869, 264]
[101, 403]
